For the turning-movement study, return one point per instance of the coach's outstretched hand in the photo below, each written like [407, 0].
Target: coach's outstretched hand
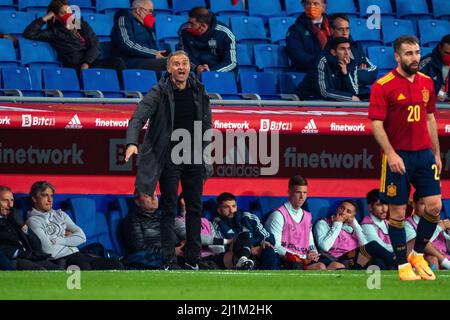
[132, 149]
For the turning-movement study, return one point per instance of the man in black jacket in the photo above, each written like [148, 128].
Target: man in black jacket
[17, 242]
[178, 103]
[76, 48]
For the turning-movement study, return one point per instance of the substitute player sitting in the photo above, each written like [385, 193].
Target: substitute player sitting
[402, 106]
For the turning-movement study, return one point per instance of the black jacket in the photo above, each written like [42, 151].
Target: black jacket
[71, 51]
[158, 107]
[12, 238]
[432, 66]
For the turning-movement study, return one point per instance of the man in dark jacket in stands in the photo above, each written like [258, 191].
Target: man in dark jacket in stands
[307, 37]
[210, 44]
[340, 27]
[74, 40]
[178, 103]
[335, 77]
[437, 65]
[133, 37]
[17, 242]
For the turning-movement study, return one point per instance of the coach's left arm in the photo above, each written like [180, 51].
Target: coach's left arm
[432, 129]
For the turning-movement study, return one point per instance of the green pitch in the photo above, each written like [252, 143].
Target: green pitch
[223, 285]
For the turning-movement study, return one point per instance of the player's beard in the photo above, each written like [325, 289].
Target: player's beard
[408, 70]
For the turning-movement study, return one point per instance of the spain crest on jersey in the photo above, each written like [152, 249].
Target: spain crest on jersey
[426, 95]
[391, 190]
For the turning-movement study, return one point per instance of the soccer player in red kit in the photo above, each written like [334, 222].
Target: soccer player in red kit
[402, 106]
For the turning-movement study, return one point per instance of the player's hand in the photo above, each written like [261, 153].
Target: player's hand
[68, 233]
[440, 98]
[84, 66]
[179, 249]
[160, 54]
[355, 98]
[343, 67]
[313, 256]
[438, 162]
[396, 163]
[49, 16]
[290, 257]
[266, 244]
[363, 66]
[132, 149]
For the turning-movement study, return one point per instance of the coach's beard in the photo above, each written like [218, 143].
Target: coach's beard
[409, 71]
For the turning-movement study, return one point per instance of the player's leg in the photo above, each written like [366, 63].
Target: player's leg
[316, 266]
[378, 252]
[335, 265]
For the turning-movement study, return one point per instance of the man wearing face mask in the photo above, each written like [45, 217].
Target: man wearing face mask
[133, 37]
[307, 37]
[74, 40]
[211, 46]
[437, 65]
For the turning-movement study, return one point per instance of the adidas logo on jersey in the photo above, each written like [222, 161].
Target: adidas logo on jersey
[401, 96]
[75, 123]
[310, 127]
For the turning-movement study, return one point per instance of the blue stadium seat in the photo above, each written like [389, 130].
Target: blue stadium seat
[136, 80]
[318, 207]
[224, 7]
[161, 7]
[224, 19]
[37, 54]
[342, 6]
[259, 85]
[85, 6]
[220, 85]
[183, 6]
[446, 207]
[393, 28]
[265, 9]
[105, 48]
[289, 81]
[7, 5]
[383, 58]
[63, 79]
[425, 51]
[432, 31]
[110, 6]
[278, 27]
[167, 27]
[270, 57]
[412, 9]
[245, 58]
[265, 205]
[15, 22]
[384, 5]
[361, 33]
[92, 223]
[249, 30]
[441, 9]
[33, 5]
[102, 83]
[8, 57]
[21, 81]
[294, 8]
[101, 24]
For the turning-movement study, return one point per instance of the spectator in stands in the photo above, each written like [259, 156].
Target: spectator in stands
[250, 238]
[307, 37]
[437, 66]
[133, 37]
[340, 27]
[335, 76]
[375, 225]
[58, 234]
[341, 239]
[210, 44]
[437, 251]
[18, 243]
[10, 37]
[292, 229]
[74, 40]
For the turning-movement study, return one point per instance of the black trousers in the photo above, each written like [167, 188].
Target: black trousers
[24, 264]
[191, 177]
[86, 262]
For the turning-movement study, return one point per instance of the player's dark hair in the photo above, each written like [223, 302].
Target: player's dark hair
[201, 15]
[352, 202]
[5, 188]
[297, 181]
[373, 196]
[336, 16]
[304, 1]
[337, 41]
[41, 186]
[445, 40]
[226, 196]
[410, 39]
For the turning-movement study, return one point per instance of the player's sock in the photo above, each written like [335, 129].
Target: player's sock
[445, 264]
[425, 230]
[241, 246]
[398, 239]
[377, 251]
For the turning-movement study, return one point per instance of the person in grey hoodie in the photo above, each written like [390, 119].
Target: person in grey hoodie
[58, 234]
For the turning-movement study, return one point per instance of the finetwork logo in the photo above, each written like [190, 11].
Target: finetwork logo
[231, 125]
[310, 128]
[5, 121]
[75, 123]
[348, 127]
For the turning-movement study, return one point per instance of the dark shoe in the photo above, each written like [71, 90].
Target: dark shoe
[199, 265]
[245, 263]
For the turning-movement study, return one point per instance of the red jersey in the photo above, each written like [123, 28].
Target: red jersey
[403, 106]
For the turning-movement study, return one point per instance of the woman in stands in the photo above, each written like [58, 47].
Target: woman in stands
[74, 40]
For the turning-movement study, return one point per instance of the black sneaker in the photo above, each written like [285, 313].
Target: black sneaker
[172, 266]
[200, 265]
[245, 263]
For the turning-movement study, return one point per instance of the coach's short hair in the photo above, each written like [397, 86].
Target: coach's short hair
[297, 181]
[177, 53]
[352, 202]
[445, 40]
[373, 196]
[5, 188]
[410, 39]
[41, 186]
[225, 196]
[201, 15]
[336, 16]
[304, 1]
[334, 43]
